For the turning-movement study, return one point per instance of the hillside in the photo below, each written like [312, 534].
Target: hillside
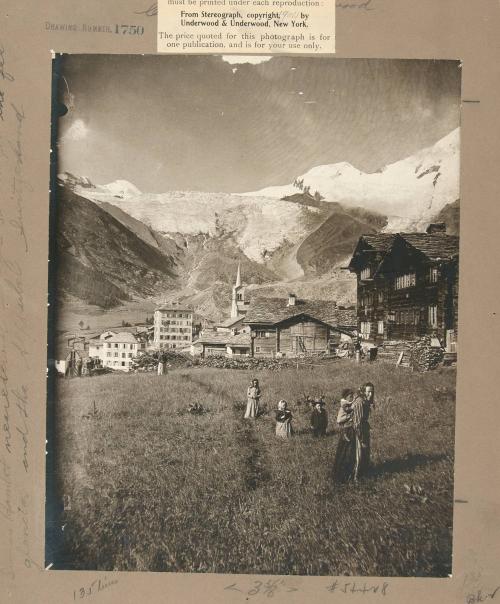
[100, 260]
[409, 192]
[450, 215]
[335, 239]
[258, 226]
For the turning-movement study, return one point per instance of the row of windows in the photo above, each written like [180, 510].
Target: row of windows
[403, 317]
[180, 315]
[175, 330]
[404, 281]
[184, 322]
[186, 338]
[408, 279]
[115, 354]
[125, 346]
[116, 364]
[368, 299]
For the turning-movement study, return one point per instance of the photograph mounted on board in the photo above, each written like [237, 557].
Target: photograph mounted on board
[253, 293]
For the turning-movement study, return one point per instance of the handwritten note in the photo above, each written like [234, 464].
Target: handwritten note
[15, 443]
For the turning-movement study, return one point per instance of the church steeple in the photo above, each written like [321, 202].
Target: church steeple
[238, 276]
[238, 297]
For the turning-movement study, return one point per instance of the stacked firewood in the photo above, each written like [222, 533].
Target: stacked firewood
[148, 361]
[424, 356]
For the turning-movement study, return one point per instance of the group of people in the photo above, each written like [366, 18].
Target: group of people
[352, 456]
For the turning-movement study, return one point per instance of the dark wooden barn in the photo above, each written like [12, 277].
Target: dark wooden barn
[292, 327]
[407, 285]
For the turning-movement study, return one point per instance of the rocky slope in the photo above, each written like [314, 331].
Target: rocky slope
[102, 262]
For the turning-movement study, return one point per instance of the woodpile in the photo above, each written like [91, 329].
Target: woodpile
[419, 355]
[148, 361]
[424, 356]
[257, 364]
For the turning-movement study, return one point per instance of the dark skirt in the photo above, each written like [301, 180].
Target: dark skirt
[344, 464]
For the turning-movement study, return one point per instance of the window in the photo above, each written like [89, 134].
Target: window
[432, 314]
[116, 345]
[433, 274]
[365, 328]
[129, 354]
[108, 345]
[404, 281]
[124, 355]
[257, 349]
[380, 297]
[239, 297]
[108, 354]
[380, 328]
[123, 363]
[365, 273]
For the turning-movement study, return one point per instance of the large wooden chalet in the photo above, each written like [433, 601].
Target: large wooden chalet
[407, 285]
[292, 327]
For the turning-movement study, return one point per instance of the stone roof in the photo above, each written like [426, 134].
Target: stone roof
[380, 242]
[436, 246]
[226, 339]
[275, 310]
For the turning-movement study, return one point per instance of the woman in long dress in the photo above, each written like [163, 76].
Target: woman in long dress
[253, 396]
[352, 457]
[283, 421]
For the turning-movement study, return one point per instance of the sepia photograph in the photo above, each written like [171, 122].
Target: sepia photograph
[253, 310]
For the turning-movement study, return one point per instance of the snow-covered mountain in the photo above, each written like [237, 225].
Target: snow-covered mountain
[258, 225]
[409, 192]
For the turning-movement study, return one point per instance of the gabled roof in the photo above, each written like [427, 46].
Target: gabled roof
[372, 243]
[436, 246]
[270, 311]
[215, 337]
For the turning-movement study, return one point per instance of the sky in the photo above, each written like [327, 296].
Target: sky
[217, 124]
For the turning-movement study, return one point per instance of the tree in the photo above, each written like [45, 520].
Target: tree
[318, 196]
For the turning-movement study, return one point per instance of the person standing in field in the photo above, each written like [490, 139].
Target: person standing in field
[283, 421]
[319, 418]
[352, 457]
[161, 362]
[253, 396]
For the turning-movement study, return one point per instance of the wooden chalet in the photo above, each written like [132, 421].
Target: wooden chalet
[292, 327]
[407, 285]
[212, 343]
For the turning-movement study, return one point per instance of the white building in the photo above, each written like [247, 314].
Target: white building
[116, 350]
[173, 326]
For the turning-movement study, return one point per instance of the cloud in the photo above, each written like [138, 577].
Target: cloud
[240, 59]
[77, 131]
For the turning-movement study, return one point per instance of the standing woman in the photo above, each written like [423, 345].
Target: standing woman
[352, 457]
[253, 396]
[361, 424]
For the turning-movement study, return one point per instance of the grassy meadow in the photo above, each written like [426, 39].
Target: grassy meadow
[151, 487]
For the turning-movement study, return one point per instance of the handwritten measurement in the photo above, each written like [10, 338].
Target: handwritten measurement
[95, 587]
[265, 588]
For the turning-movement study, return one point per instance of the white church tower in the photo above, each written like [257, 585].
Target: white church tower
[238, 302]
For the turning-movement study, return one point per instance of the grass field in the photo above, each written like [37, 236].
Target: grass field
[152, 487]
